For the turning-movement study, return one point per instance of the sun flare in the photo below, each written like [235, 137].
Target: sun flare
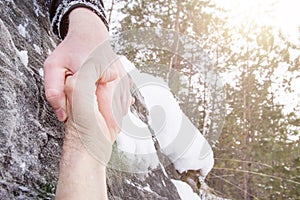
[281, 14]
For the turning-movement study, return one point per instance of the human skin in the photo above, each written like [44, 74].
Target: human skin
[86, 31]
[83, 168]
[82, 176]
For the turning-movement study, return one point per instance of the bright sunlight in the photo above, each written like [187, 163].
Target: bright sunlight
[281, 14]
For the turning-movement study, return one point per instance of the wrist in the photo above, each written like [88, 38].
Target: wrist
[89, 144]
[74, 151]
[87, 25]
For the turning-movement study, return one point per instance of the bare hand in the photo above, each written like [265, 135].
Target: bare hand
[86, 31]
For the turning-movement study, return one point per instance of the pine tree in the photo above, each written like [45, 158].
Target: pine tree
[256, 130]
[254, 156]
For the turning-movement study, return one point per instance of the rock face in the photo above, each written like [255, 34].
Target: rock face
[31, 137]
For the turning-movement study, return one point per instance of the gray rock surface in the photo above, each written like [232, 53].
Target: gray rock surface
[30, 136]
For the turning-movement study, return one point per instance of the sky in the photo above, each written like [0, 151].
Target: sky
[281, 14]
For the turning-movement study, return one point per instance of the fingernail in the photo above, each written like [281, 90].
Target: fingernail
[61, 114]
[132, 100]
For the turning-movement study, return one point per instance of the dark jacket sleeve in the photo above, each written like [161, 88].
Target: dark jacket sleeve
[59, 13]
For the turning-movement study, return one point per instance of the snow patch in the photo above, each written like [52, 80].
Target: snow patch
[22, 166]
[147, 188]
[163, 170]
[185, 191]
[37, 9]
[23, 55]
[52, 43]
[37, 49]
[41, 72]
[129, 182]
[179, 139]
[22, 30]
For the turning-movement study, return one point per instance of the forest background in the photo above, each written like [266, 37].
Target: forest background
[255, 48]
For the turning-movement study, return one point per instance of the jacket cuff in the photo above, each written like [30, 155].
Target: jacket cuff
[60, 17]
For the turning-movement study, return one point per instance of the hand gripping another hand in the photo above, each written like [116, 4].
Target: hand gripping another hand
[98, 96]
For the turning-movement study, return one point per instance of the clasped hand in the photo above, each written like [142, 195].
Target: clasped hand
[97, 99]
[82, 86]
[89, 90]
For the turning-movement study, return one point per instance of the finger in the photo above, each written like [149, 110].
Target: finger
[107, 76]
[130, 82]
[117, 114]
[54, 88]
[105, 102]
[70, 82]
[132, 101]
[126, 95]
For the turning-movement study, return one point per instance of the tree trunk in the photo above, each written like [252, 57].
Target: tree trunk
[111, 10]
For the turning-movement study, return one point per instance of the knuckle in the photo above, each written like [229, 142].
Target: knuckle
[52, 95]
[69, 87]
[49, 63]
[54, 61]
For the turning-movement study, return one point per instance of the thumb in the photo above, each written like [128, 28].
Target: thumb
[54, 88]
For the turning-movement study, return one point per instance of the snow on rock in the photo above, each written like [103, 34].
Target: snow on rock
[37, 9]
[23, 55]
[185, 191]
[179, 139]
[41, 72]
[22, 30]
[25, 119]
[147, 188]
[37, 49]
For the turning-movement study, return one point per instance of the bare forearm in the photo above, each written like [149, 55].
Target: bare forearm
[81, 176]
